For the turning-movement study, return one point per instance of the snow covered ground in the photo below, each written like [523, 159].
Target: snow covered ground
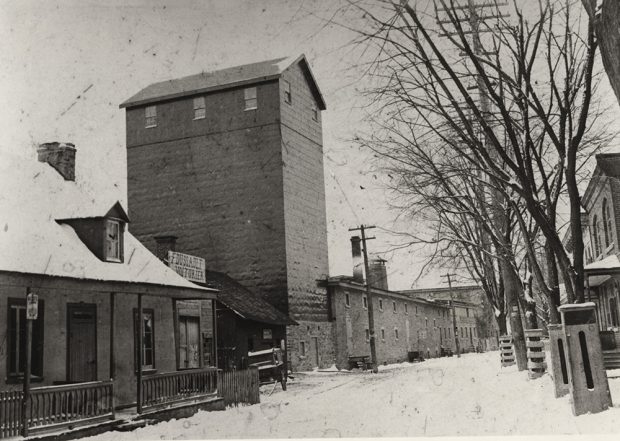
[471, 395]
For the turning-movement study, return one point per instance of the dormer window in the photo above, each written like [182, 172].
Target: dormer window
[112, 241]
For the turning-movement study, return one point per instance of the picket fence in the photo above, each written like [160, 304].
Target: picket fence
[239, 387]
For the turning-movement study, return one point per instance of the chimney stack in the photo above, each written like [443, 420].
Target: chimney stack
[61, 156]
[378, 273]
[165, 244]
[358, 262]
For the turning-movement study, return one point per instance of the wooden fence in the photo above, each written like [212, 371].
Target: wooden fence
[164, 389]
[239, 387]
[10, 413]
[53, 407]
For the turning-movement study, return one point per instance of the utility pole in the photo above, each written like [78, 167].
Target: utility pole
[456, 333]
[371, 317]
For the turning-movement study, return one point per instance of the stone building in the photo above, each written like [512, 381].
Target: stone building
[475, 324]
[231, 163]
[402, 324]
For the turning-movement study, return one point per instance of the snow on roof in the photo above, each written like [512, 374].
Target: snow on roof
[574, 306]
[33, 197]
[609, 262]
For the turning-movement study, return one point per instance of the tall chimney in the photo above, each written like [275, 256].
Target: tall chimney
[378, 273]
[358, 262]
[61, 156]
[165, 244]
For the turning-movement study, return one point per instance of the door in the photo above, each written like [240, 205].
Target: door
[81, 342]
[189, 342]
[315, 343]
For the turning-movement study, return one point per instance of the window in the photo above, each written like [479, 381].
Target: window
[382, 334]
[16, 335]
[200, 108]
[380, 304]
[287, 92]
[396, 333]
[347, 300]
[315, 113]
[394, 306]
[148, 338]
[607, 224]
[416, 310]
[426, 322]
[365, 302]
[150, 116]
[597, 239]
[467, 312]
[613, 308]
[449, 333]
[434, 323]
[112, 240]
[189, 345]
[302, 348]
[367, 334]
[251, 102]
[406, 312]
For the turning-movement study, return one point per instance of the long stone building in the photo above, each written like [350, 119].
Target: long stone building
[231, 163]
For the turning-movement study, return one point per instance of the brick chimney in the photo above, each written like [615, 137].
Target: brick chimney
[378, 273]
[61, 156]
[165, 244]
[358, 262]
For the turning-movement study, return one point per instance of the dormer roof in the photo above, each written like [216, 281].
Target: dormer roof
[34, 196]
[210, 81]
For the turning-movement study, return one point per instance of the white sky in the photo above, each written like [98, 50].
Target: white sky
[66, 65]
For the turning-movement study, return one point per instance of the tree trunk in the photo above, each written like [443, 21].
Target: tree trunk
[501, 323]
[531, 318]
[554, 283]
[511, 292]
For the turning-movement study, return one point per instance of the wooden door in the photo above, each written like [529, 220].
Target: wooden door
[81, 342]
[315, 342]
[189, 342]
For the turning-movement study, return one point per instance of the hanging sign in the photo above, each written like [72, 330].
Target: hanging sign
[190, 267]
[32, 306]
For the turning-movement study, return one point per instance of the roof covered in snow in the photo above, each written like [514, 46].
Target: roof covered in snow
[243, 302]
[608, 263]
[223, 79]
[33, 197]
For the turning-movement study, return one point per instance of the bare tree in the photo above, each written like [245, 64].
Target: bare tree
[537, 78]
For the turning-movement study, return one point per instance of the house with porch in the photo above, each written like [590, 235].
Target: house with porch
[601, 203]
[107, 333]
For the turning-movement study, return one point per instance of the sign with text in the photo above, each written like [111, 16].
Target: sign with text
[190, 267]
[32, 306]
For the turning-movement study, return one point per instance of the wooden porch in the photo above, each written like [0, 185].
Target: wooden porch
[177, 394]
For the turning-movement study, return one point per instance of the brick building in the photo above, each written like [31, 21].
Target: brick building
[231, 163]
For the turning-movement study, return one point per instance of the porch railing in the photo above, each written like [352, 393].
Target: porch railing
[10, 413]
[70, 404]
[163, 389]
[54, 407]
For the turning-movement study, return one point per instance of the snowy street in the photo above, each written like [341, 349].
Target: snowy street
[472, 395]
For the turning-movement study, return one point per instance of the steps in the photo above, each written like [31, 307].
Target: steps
[611, 359]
